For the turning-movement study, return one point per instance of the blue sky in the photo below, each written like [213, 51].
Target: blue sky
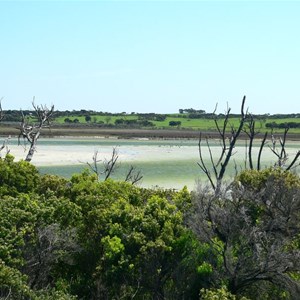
[150, 56]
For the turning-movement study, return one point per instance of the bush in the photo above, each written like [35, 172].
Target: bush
[218, 294]
[17, 177]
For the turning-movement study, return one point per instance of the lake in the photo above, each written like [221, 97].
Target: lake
[164, 163]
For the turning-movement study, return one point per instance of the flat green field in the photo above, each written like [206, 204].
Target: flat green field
[202, 124]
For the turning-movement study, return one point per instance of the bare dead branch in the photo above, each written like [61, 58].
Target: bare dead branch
[202, 164]
[263, 142]
[293, 161]
[5, 145]
[227, 147]
[251, 133]
[94, 165]
[32, 125]
[281, 154]
[109, 165]
[232, 143]
[133, 175]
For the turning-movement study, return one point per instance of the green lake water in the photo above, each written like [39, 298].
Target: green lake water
[164, 163]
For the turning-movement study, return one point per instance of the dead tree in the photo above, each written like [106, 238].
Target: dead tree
[249, 229]
[280, 152]
[228, 142]
[251, 133]
[31, 126]
[110, 165]
[228, 135]
[133, 175]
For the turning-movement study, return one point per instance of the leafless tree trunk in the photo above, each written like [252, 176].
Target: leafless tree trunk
[228, 142]
[109, 165]
[133, 175]
[32, 125]
[216, 168]
[281, 154]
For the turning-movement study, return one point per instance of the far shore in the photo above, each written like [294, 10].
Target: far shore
[126, 133]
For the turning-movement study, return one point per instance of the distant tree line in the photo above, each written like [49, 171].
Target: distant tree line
[152, 117]
[133, 123]
[89, 115]
[191, 111]
[283, 125]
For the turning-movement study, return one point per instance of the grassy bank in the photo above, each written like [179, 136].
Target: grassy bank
[206, 127]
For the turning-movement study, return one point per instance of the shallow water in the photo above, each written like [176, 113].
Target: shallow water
[164, 163]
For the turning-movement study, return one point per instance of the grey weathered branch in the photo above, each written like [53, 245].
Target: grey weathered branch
[32, 125]
[94, 166]
[281, 154]
[108, 165]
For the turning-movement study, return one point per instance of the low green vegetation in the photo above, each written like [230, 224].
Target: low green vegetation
[183, 121]
[83, 238]
[189, 119]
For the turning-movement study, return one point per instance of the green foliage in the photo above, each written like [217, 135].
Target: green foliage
[17, 177]
[198, 121]
[256, 180]
[52, 184]
[13, 283]
[85, 239]
[218, 294]
[53, 294]
[252, 228]
[17, 216]
[135, 233]
[174, 123]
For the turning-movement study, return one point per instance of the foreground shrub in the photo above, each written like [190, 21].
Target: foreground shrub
[253, 227]
[218, 294]
[17, 177]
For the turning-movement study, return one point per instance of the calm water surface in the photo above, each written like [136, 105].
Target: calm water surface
[165, 163]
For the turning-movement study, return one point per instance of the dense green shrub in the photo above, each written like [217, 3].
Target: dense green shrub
[254, 179]
[17, 177]
[218, 294]
[89, 239]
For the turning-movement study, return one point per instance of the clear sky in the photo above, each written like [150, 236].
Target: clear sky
[150, 56]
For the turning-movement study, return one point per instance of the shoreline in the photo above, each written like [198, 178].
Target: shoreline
[128, 133]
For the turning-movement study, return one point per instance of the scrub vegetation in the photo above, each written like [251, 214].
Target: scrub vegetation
[85, 238]
[89, 237]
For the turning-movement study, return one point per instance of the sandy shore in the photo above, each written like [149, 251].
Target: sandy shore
[78, 154]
